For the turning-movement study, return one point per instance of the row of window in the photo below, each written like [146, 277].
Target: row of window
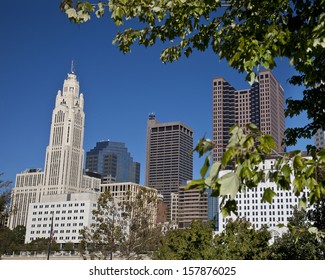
[58, 205]
[57, 225]
[59, 212]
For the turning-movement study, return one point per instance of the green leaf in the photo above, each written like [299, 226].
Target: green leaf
[286, 170]
[228, 208]
[302, 204]
[195, 184]
[214, 171]
[269, 141]
[268, 195]
[310, 170]
[297, 162]
[205, 166]
[252, 127]
[229, 184]
[203, 146]
[227, 156]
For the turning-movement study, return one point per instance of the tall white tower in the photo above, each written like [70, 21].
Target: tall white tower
[65, 154]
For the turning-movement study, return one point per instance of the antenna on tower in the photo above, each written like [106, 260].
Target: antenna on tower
[73, 67]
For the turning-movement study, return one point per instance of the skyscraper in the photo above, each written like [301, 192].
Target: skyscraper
[262, 104]
[113, 162]
[64, 154]
[169, 159]
[63, 169]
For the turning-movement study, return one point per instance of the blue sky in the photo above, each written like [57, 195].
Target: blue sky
[37, 46]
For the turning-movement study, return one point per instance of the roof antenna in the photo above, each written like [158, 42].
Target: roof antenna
[73, 67]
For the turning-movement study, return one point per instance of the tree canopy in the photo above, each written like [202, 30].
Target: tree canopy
[198, 242]
[249, 34]
[299, 243]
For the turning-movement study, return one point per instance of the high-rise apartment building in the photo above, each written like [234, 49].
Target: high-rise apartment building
[113, 162]
[169, 159]
[262, 104]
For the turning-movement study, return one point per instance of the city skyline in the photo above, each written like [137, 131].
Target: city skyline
[120, 90]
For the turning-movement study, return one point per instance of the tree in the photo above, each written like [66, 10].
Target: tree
[123, 228]
[40, 245]
[241, 241]
[299, 243]
[249, 34]
[69, 246]
[4, 200]
[12, 240]
[193, 243]
[317, 214]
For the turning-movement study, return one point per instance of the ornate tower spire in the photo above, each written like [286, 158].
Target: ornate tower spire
[64, 154]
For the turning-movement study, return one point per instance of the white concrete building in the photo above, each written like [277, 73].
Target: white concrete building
[63, 169]
[70, 212]
[262, 213]
[319, 139]
[27, 189]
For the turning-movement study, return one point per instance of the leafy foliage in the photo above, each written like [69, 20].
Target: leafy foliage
[194, 243]
[4, 200]
[246, 151]
[317, 215]
[241, 241]
[248, 34]
[40, 245]
[300, 243]
[11, 240]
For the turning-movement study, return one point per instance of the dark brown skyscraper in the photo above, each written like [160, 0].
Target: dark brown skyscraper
[169, 159]
[262, 104]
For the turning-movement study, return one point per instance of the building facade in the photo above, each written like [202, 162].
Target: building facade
[319, 139]
[63, 168]
[260, 213]
[262, 105]
[64, 154]
[70, 213]
[169, 159]
[192, 205]
[28, 186]
[113, 162]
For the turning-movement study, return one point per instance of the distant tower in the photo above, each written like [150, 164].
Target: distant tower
[113, 162]
[64, 154]
[262, 104]
[169, 158]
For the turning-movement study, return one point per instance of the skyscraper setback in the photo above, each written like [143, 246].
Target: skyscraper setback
[262, 104]
[169, 159]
